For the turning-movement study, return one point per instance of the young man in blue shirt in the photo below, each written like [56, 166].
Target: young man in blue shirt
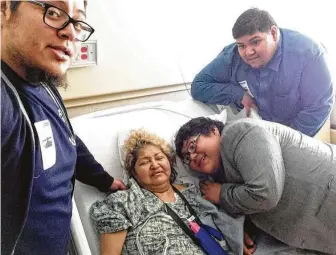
[40, 154]
[280, 73]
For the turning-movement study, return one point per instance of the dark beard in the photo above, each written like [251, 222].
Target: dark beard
[35, 75]
[32, 73]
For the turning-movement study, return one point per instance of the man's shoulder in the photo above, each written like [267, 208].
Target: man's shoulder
[10, 108]
[229, 51]
[234, 131]
[227, 57]
[230, 48]
[299, 44]
[242, 125]
[13, 129]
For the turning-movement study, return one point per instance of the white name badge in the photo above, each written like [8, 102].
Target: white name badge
[47, 143]
[246, 87]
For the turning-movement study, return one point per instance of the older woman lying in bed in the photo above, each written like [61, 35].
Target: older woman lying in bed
[140, 221]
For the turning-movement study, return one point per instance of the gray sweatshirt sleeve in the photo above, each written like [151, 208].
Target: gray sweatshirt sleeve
[256, 157]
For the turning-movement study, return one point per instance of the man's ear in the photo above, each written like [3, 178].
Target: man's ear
[215, 130]
[5, 11]
[274, 32]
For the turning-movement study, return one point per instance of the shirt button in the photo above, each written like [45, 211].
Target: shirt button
[72, 141]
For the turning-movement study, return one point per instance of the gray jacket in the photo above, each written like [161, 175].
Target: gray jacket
[283, 179]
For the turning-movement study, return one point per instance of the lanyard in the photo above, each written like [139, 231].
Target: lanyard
[180, 222]
[191, 210]
[61, 112]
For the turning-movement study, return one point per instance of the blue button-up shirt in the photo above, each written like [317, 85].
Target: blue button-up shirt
[294, 88]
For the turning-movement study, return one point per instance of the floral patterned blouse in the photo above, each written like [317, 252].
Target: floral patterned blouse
[150, 230]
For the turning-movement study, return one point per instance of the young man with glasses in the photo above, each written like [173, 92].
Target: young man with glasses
[40, 154]
[281, 180]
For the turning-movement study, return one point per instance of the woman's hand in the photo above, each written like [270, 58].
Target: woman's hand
[211, 191]
[249, 245]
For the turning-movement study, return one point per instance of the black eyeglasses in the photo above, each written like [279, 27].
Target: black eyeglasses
[57, 18]
[191, 149]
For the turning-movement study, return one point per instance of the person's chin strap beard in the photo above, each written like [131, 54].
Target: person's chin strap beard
[35, 75]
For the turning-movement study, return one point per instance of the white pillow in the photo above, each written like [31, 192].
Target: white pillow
[164, 126]
[222, 116]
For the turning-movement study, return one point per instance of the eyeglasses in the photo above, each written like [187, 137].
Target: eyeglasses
[191, 149]
[57, 18]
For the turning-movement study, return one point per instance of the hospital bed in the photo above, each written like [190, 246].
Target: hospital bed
[104, 132]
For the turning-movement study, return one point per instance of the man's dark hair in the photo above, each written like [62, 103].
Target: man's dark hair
[193, 127]
[252, 21]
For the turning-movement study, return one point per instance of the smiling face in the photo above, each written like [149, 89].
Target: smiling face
[28, 43]
[152, 167]
[258, 49]
[206, 156]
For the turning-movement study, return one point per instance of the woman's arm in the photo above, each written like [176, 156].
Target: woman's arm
[112, 243]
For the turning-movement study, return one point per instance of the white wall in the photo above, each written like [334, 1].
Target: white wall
[151, 43]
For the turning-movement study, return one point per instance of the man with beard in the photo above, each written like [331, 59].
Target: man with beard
[279, 72]
[41, 155]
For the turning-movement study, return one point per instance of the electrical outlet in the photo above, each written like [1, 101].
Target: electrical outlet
[87, 55]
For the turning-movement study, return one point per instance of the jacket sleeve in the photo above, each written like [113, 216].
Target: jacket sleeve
[89, 171]
[212, 85]
[317, 97]
[257, 158]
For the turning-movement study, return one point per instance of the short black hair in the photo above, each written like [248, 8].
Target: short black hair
[200, 125]
[252, 21]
